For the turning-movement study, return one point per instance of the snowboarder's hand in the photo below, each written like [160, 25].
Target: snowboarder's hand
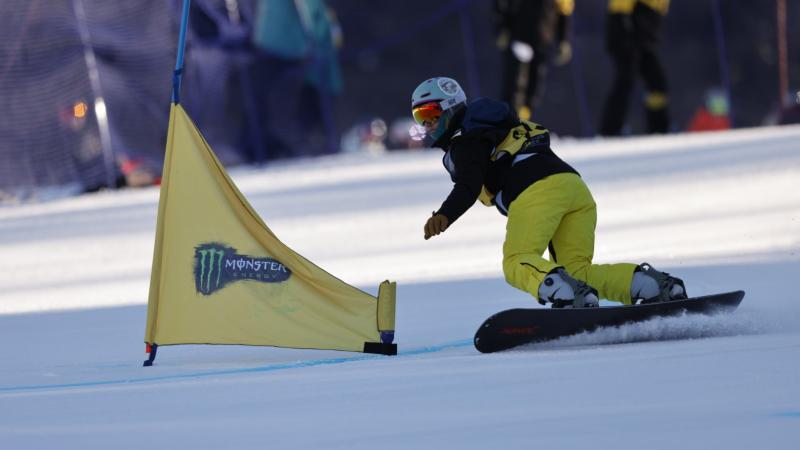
[435, 225]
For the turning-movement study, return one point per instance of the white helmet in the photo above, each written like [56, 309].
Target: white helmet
[444, 90]
[441, 96]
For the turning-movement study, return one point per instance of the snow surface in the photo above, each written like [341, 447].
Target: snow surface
[721, 210]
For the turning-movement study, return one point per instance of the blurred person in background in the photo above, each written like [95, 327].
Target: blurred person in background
[493, 156]
[299, 75]
[323, 79]
[221, 58]
[526, 32]
[633, 33]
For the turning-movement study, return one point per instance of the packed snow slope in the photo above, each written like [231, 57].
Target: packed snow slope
[720, 210]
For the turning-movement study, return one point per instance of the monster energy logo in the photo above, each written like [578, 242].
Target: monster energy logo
[216, 265]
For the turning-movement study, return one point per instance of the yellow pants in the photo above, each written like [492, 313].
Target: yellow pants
[559, 212]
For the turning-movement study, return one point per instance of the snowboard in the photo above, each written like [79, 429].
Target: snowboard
[514, 327]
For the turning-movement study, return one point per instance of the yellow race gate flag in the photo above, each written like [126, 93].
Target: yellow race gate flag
[220, 276]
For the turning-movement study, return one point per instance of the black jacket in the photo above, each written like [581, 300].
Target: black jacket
[468, 143]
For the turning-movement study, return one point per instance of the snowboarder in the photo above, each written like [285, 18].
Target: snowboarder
[506, 162]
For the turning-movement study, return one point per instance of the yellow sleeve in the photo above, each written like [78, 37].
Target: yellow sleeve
[661, 6]
[626, 6]
[621, 6]
[565, 7]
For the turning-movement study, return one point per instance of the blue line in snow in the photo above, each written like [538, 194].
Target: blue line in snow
[267, 368]
[788, 414]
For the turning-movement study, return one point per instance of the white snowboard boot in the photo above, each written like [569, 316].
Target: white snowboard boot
[563, 291]
[651, 286]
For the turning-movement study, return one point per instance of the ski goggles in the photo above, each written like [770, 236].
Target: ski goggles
[426, 112]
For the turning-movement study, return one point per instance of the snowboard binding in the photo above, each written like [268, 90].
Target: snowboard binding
[562, 291]
[653, 286]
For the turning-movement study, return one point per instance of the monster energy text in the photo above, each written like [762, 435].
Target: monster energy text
[216, 265]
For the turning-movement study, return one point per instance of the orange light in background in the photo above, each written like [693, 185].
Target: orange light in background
[79, 110]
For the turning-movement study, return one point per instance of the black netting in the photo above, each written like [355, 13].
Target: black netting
[42, 77]
[85, 87]
[63, 65]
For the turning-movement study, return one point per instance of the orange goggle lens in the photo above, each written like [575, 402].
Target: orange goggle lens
[426, 113]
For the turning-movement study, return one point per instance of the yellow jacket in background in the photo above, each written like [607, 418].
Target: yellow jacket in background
[626, 6]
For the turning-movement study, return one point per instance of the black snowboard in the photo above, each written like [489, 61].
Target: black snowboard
[514, 327]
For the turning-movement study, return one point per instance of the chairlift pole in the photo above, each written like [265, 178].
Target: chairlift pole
[100, 110]
[783, 67]
[470, 55]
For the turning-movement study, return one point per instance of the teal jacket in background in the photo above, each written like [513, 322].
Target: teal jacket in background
[300, 30]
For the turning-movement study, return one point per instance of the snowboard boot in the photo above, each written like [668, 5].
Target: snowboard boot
[563, 291]
[652, 286]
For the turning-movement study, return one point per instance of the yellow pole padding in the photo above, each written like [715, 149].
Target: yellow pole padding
[387, 298]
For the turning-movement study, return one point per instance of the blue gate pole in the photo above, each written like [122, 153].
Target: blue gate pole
[470, 57]
[579, 84]
[176, 77]
[719, 34]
